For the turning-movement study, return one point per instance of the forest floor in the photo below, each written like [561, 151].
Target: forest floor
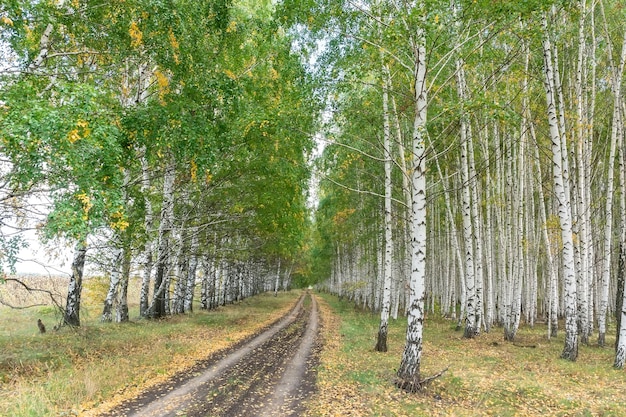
[486, 376]
[243, 359]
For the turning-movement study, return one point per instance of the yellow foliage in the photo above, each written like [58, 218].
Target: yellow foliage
[86, 202]
[175, 45]
[232, 27]
[194, 171]
[81, 131]
[164, 85]
[135, 35]
[341, 216]
[73, 136]
[208, 177]
[6, 21]
[119, 222]
[248, 127]
[230, 74]
[273, 74]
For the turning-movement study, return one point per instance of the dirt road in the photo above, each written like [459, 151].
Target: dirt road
[268, 375]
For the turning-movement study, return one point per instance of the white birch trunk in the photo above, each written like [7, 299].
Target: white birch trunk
[159, 307]
[71, 315]
[277, 281]
[580, 207]
[116, 273]
[121, 297]
[191, 273]
[570, 350]
[409, 369]
[616, 137]
[147, 260]
[402, 279]
[471, 322]
[620, 313]
[381, 344]
[489, 293]
[553, 272]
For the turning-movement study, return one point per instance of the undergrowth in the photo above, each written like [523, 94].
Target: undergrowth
[486, 375]
[70, 371]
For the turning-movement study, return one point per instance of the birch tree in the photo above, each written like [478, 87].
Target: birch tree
[570, 350]
[409, 377]
[617, 137]
[381, 345]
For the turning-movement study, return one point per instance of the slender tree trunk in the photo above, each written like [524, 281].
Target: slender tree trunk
[277, 281]
[121, 300]
[616, 137]
[570, 350]
[409, 369]
[71, 316]
[158, 306]
[583, 219]
[381, 345]
[116, 273]
[620, 351]
[620, 310]
[181, 260]
[191, 273]
[553, 273]
[471, 320]
[147, 261]
[402, 279]
[621, 265]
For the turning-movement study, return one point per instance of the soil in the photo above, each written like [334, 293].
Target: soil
[268, 374]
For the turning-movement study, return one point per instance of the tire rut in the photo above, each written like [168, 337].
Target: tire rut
[270, 374]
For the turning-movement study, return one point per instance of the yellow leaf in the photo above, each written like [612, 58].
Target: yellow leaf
[194, 170]
[73, 136]
[232, 27]
[135, 35]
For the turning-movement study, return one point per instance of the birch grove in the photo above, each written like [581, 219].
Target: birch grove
[520, 166]
[472, 163]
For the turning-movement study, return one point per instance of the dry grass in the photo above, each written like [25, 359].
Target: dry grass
[486, 376]
[71, 371]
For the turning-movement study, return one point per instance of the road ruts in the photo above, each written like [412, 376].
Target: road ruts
[270, 375]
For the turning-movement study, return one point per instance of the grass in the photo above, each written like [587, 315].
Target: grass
[79, 372]
[69, 371]
[486, 375]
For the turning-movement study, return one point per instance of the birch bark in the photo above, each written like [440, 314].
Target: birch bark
[158, 306]
[409, 369]
[471, 320]
[570, 350]
[71, 315]
[121, 297]
[616, 137]
[191, 273]
[147, 260]
[381, 344]
[116, 273]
